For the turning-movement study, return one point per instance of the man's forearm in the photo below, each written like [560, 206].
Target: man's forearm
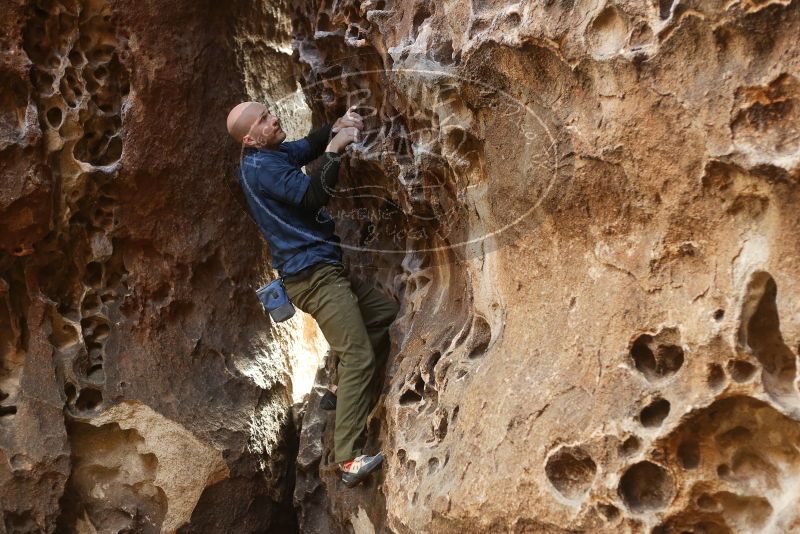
[318, 139]
[322, 183]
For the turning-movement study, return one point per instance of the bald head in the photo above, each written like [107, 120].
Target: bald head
[242, 117]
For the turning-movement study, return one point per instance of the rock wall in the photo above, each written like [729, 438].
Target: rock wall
[142, 388]
[589, 211]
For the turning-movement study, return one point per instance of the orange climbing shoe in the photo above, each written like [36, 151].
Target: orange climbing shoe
[357, 469]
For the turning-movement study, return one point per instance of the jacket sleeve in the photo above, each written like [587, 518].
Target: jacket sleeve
[322, 183]
[311, 146]
[283, 182]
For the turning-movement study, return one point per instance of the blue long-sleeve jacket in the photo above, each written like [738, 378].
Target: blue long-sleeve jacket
[275, 186]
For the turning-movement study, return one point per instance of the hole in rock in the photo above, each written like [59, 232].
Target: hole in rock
[646, 486]
[433, 464]
[443, 52]
[689, 454]
[323, 22]
[411, 467]
[609, 511]
[92, 86]
[90, 303]
[106, 202]
[433, 359]
[440, 427]
[70, 391]
[707, 502]
[654, 413]
[413, 395]
[608, 32]
[101, 331]
[96, 373]
[481, 335]
[149, 461]
[95, 350]
[54, 116]
[94, 274]
[723, 470]
[20, 522]
[665, 8]
[513, 19]
[655, 357]
[719, 314]
[716, 376]
[571, 471]
[89, 399]
[419, 17]
[7, 410]
[761, 333]
[410, 397]
[630, 446]
[741, 370]
[78, 220]
[76, 57]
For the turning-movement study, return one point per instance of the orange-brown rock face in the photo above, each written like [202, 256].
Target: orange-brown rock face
[589, 211]
[141, 387]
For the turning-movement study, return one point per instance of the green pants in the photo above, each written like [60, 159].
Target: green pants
[354, 317]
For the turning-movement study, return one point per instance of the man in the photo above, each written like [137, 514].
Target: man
[287, 205]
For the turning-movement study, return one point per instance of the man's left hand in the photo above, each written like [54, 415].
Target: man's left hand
[349, 119]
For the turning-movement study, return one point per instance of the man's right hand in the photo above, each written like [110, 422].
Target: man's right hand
[343, 137]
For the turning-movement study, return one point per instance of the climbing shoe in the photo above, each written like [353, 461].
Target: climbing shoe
[359, 468]
[328, 401]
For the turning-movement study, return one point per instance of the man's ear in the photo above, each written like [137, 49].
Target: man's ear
[247, 140]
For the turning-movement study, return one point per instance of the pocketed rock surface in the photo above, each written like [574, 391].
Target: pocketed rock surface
[588, 211]
[598, 204]
[142, 389]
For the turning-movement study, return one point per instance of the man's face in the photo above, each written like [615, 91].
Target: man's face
[266, 130]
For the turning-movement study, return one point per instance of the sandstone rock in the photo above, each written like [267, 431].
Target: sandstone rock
[588, 211]
[590, 214]
[142, 388]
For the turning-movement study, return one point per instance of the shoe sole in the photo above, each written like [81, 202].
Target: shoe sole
[368, 468]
